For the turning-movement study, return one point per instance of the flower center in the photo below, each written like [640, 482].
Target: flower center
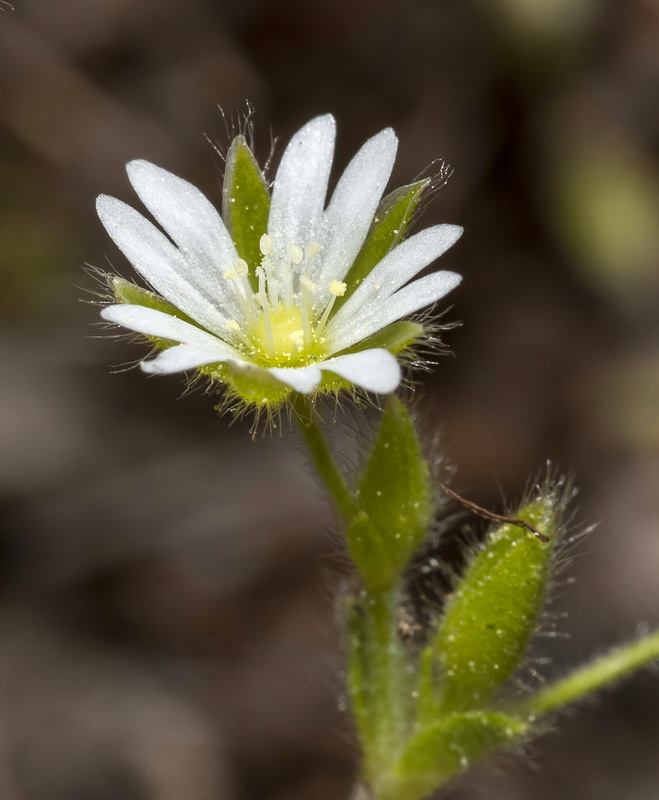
[283, 319]
[277, 336]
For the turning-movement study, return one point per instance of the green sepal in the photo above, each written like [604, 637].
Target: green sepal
[394, 496]
[449, 747]
[128, 292]
[245, 203]
[494, 609]
[257, 387]
[389, 225]
[395, 338]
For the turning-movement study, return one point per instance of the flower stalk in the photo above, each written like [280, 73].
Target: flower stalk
[322, 457]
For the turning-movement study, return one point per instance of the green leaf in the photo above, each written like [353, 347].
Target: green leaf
[601, 672]
[391, 221]
[494, 610]
[449, 747]
[394, 495]
[245, 203]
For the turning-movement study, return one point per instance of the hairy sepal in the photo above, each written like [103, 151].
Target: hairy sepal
[494, 610]
[394, 498]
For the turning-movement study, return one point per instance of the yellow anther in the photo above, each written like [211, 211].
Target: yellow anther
[265, 244]
[313, 248]
[296, 253]
[307, 284]
[338, 288]
[241, 267]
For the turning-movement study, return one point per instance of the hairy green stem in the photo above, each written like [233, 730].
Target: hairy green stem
[610, 667]
[322, 457]
[384, 679]
[377, 651]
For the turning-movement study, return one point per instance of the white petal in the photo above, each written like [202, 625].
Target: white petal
[157, 261]
[375, 370]
[300, 187]
[378, 313]
[353, 205]
[192, 222]
[179, 359]
[152, 322]
[398, 267]
[302, 379]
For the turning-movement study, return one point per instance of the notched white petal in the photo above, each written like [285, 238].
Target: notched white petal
[301, 379]
[190, 219]
[151, 322]
[355, 200]
[180, 358]
[375, 370]
[398, 267]
[300, 187]
[378, 314]
[157, 260]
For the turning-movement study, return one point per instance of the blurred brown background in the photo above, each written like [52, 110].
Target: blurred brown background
[168, 583]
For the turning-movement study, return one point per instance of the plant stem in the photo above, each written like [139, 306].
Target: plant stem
[384, 675]
[610, 667]
[322, 457]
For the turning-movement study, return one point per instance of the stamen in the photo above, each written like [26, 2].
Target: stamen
[308, 287]
[265, 244]
[232, 326]
[247, 295]
[313, 248]
[307, 284]
[270, 281]
[243, 288]
[286, 272]
[336, 289]
[262, 298]
[296, 253]
[273, 293]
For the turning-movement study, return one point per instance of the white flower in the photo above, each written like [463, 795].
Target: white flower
[292, 321]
